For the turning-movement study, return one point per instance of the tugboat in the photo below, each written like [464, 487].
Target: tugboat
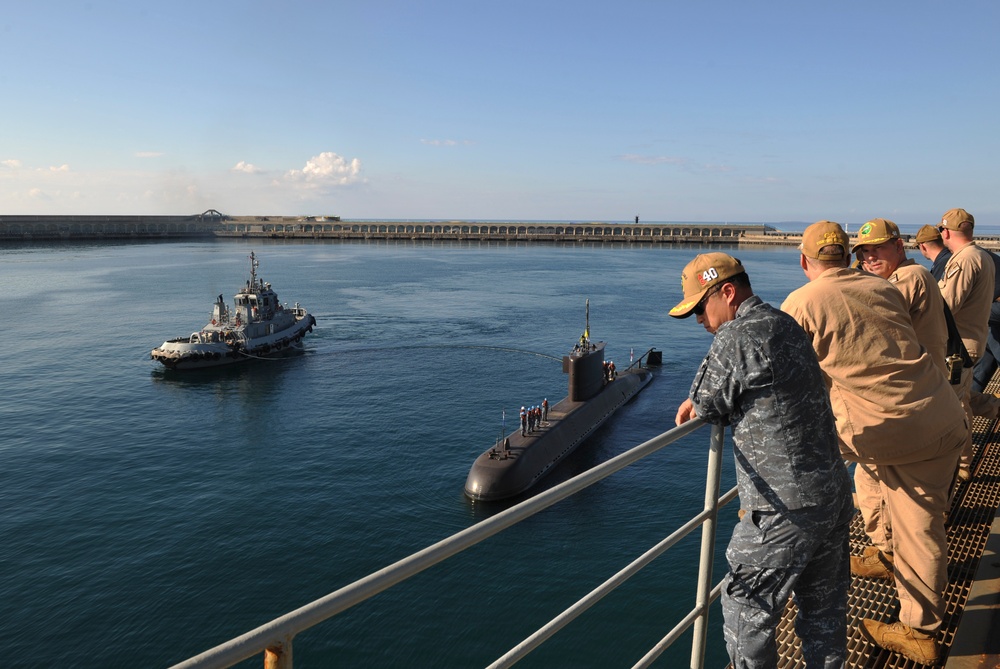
[257, 327]
[596, 391]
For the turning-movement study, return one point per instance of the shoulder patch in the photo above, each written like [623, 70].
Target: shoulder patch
[952, 271]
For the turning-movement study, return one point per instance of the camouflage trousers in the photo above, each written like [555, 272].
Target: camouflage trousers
[774, 555]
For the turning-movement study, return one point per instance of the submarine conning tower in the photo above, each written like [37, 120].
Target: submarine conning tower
[585, 366]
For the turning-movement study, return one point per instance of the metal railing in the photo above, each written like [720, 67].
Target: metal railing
[274, 639]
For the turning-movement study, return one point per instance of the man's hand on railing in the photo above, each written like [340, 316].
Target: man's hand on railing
[685, 412]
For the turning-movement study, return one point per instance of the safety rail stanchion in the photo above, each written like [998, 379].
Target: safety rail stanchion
[279, 656]
[702, 597]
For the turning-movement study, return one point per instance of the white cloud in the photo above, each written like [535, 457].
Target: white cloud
[244, 166]
[65, 189]
[326, 169]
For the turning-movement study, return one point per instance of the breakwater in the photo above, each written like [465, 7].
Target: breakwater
[28, 228]
[213, 224]
[544, 231]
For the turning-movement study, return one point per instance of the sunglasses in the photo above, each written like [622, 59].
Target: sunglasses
[700, 307]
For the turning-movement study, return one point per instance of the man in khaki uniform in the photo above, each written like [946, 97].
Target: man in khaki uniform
[895, 413]
[967, 286]
[880, 251]
[929, 243]
[987, 405]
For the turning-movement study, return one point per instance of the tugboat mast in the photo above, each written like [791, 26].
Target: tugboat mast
[253, 271]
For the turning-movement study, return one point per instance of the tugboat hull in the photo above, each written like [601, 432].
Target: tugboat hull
[258, 326]
[183, 354]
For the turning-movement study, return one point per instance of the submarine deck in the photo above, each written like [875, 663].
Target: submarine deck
[502, 473]
[971, 630]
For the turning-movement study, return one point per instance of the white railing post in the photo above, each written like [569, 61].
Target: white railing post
[708, 529]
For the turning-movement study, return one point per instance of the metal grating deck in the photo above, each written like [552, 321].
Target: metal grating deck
[973, 509]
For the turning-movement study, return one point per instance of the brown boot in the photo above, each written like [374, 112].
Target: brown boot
[903, 639]
[873, 563]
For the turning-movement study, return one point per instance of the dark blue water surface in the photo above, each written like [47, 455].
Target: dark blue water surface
[149, 515]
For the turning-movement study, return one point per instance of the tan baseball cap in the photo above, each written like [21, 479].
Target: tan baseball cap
[876, 231]
[928, 233]
[824, 233]
[699, 275]
[953, 219]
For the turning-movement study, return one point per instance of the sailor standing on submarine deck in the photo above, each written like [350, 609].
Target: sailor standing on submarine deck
[761, 376]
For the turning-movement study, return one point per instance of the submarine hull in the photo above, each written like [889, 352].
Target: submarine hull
[500, 473]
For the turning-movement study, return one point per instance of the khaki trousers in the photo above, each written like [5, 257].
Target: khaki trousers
[964, 390]
[871, 502]
[907, 516]
[984, 405]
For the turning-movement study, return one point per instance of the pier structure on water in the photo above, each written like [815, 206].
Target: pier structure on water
[214, 224]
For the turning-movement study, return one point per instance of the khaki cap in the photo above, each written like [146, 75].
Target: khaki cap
[824, 233]
[876, 231]
[699, 275]
[953, 219]
[928, 233]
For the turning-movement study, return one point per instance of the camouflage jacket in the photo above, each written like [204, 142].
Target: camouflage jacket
[761, 376]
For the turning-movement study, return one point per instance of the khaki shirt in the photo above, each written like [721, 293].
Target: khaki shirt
[926, 307]
[967, 287]
[890, 402]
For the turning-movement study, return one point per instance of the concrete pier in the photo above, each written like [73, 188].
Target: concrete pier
[324, 228]
[28, 228]
[213, 224]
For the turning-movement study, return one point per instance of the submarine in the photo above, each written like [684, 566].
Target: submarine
[516, 462]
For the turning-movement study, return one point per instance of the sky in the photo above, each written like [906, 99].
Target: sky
[668, 110]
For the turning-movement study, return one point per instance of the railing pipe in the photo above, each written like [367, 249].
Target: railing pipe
[284, 628]
[517, 653]
[707, 547]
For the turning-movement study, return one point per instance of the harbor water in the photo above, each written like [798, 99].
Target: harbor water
[149, 515]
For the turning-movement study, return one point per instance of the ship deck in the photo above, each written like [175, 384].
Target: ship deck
[971, 633]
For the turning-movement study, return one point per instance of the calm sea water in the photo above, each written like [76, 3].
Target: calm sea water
[150, 515]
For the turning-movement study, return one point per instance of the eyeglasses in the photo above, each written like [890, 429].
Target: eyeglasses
[941, 228]
[700, 307]
[885, 248]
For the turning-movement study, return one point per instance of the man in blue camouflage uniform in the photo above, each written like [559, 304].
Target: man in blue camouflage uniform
[761, 377]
